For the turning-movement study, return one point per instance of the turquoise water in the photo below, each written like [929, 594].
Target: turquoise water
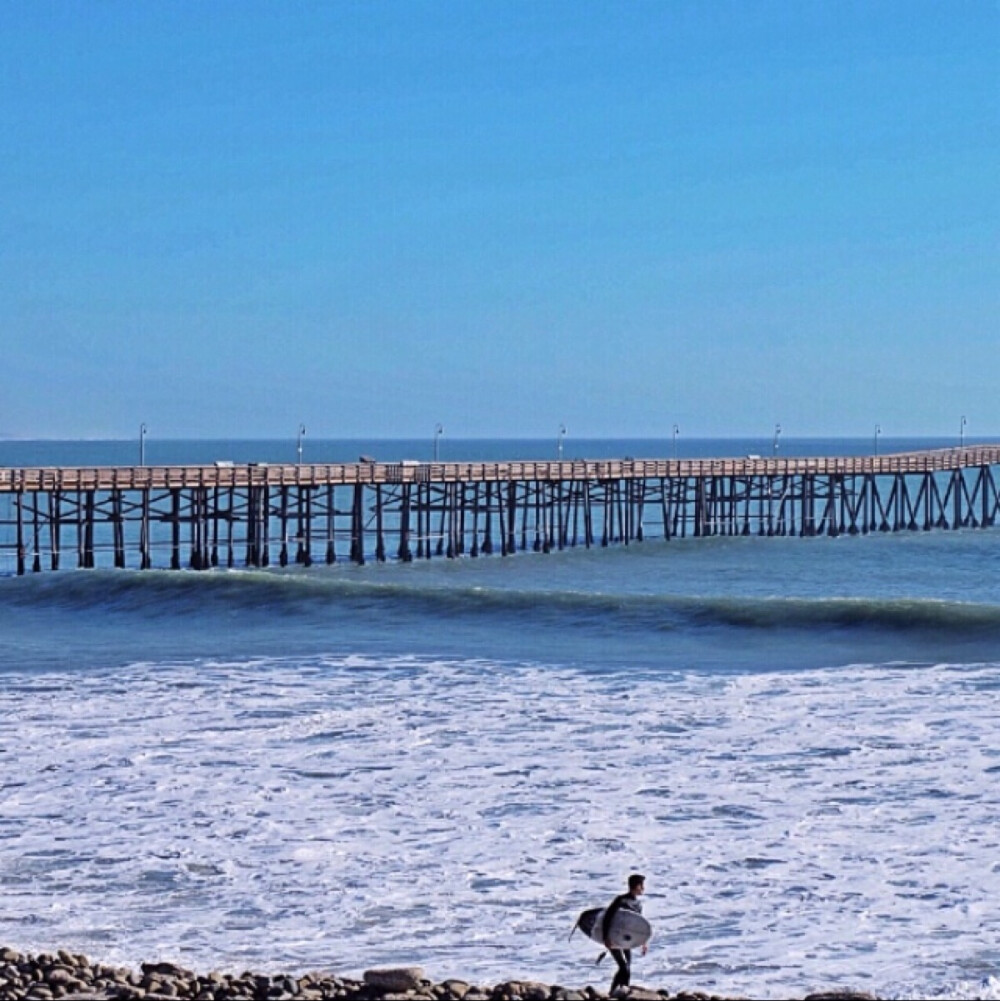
[794, 738]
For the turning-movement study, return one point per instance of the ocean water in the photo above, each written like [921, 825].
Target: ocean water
[443, 762]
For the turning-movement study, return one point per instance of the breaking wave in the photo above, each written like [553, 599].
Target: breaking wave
[307, 593]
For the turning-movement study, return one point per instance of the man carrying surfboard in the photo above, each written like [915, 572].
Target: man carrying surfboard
[623, 902]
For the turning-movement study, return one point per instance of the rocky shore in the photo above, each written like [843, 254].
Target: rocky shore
[62, 975]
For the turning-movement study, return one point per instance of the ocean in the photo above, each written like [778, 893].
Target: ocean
[442, 763]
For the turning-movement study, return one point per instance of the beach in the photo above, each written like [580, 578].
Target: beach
[66, 976]
[456, 457]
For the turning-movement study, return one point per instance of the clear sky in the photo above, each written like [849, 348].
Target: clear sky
[227, 218]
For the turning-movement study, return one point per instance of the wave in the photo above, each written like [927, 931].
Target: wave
[172, 594]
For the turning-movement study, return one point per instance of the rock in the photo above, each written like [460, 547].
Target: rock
[284, 985]
[840, 995]
[395, 980]
[527, 990]
[60, 976]
[456, 988]
[164, 970]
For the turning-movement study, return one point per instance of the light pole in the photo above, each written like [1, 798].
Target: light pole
[774, 446]
[142, 444]
[438, 431]
[878, 431]
[677, 431]
[961, 434]
[298, 445]
[562, 434]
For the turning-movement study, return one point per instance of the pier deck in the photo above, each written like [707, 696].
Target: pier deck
[40, 478]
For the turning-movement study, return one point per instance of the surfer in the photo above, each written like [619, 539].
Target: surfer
[628, 902]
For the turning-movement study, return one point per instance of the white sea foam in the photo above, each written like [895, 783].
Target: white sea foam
[798, 831]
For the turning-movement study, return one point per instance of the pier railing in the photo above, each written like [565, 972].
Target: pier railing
[43, 478]
[225, 513]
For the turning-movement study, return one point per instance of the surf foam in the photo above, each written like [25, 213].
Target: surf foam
[798, 830]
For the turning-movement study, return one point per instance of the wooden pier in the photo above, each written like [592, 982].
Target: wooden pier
[256, 515]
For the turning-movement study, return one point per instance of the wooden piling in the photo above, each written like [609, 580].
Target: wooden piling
[55, 527]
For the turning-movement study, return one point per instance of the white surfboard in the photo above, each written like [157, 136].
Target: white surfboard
[628, 930]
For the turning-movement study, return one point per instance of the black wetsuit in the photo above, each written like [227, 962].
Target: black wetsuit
[623, 957]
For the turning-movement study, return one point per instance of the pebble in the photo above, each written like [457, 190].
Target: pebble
[64, 976]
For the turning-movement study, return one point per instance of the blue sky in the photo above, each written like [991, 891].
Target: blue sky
[227, 218]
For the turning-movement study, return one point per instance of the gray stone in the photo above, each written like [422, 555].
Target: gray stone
[164, 970]
[527, 990]
[62, 976]
[840, 995]
[395, 980]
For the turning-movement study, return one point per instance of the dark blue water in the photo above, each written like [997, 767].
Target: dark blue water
[722, 605]
[714, 604]
[170, 452]
[836, 696]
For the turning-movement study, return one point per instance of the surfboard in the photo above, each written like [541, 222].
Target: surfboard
[628, 930]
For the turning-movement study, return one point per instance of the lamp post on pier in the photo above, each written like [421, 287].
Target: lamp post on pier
[878, 431]
[142, 444]
[961, 434]
[562, 434]
[675, 433]
[438, 431]
[774, 444]
[298, 444]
